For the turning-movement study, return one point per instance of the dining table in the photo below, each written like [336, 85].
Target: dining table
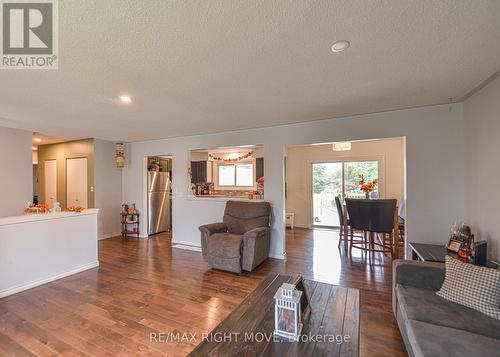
[394, 235]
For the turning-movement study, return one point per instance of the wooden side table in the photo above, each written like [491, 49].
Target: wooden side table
[130, 225]
[430, 252]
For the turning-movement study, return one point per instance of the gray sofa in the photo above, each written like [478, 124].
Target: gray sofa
[433, 326]
[241, 241]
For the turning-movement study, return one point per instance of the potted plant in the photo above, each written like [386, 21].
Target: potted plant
[367, 187]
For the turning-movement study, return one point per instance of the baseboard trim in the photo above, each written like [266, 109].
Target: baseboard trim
[109, 235]
[186, 246]
[277, 256]
[33, 284]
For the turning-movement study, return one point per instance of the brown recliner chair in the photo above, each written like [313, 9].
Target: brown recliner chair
[242, 241]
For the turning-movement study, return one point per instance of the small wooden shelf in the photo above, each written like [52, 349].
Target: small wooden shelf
[131, 222]
[127, 220]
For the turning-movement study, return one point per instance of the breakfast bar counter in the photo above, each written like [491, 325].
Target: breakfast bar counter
[39, 248]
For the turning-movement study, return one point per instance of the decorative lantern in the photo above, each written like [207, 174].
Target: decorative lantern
[120, 155]
[287, 313]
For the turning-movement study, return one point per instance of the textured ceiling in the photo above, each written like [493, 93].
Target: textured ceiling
[206, 66]
[46, 139]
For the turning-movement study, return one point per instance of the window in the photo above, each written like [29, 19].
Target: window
[240, 175]
[226, 175]
[331, 179]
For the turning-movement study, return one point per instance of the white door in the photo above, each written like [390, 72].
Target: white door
[76, 182]
[50, 174]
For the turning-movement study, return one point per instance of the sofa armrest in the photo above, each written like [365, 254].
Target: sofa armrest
[256, 243]
[256, 232]
[425, 275]
[206, 231]
[212, 228]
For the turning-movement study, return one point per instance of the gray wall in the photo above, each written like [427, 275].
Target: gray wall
[434, 168]
[16, 171]
[108, 188]
[482, 164]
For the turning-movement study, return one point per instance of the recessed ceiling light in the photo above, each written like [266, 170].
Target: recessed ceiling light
[38, 140]
[339, 46]
[125, 99]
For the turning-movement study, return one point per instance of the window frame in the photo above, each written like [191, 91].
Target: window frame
[234, 186]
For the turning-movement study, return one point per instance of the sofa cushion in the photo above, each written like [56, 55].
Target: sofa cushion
[225, 245]
[472, 286]
[430, 340]
[424, 305]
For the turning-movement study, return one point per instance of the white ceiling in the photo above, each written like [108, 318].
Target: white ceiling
[206, 66]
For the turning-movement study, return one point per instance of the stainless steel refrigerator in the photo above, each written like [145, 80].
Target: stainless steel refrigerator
[159, 202]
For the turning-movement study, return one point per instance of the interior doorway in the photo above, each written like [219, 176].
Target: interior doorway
[338, 178]
[158, 194]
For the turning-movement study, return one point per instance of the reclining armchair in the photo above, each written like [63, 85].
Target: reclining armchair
[242, 241]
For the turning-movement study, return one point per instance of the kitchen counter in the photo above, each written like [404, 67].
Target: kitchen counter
[222, 198]
[44, 216]
[38, 248]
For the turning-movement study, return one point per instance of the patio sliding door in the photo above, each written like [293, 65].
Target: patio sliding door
[330, 179]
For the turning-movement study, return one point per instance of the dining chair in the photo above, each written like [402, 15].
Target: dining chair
[340, 212]
[373, 216]
[401, 223]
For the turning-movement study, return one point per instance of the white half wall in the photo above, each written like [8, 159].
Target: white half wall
[482, 165]
[107, 188]
[16, 171]
[434, 168]
[389, 153]
[39, 248]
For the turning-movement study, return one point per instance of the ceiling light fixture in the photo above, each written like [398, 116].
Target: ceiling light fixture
[125, 99]
[38, 140]
[34, 148]
[339, 46]
[342, 146]
[234, 155]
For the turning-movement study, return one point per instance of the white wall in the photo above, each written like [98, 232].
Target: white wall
[482, 165]
[16, 171]
[108, 188]
[434, 154]
[389, 152]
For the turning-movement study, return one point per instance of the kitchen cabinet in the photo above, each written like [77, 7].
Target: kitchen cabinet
[198, 171]
[259, 167]
[202, 172]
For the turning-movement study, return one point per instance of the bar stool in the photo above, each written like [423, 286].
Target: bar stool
[342, 235]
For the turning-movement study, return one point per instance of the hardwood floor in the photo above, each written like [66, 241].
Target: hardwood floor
[145, 287]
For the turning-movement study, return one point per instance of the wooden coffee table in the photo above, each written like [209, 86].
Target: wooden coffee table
[334, 313]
